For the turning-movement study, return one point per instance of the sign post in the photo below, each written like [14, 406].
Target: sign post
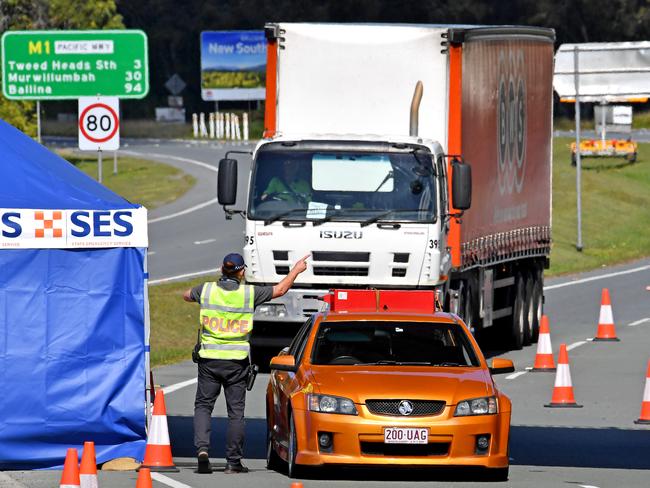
[99, 126]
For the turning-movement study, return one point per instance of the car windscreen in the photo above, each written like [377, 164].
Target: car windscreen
[393, 343]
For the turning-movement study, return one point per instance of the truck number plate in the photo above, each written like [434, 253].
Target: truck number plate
[406, 435]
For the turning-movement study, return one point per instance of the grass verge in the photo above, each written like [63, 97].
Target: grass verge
[139, 181]
[615, 221]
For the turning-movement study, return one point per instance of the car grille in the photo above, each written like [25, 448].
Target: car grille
[354, 257]
[421, 408]
[381, 449]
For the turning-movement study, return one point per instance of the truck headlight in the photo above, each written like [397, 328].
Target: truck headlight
[331, 404]
[476, 406]
[272, 310]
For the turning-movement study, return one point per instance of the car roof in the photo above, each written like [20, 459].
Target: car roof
[438, 317]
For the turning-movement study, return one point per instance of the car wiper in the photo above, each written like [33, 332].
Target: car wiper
[448, 363]
[327, 218]
[377, 217]
[281, 215]
[387, 362]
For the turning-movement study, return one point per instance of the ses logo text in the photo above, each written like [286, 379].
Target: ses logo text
[27, 228]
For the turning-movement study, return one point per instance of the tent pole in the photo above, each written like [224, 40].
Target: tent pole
[147, 345]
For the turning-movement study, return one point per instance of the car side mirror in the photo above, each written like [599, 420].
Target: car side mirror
[502, 366]
[227, 182]
[461, 185]
[284, 363]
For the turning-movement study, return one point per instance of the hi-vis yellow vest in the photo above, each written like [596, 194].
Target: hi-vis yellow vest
[226, 318]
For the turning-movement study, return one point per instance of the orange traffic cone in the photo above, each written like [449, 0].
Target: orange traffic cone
[606, 328]
[544, 357]
[563, 390]
[645, 404]
[144, 478]
[70, 476]
[158, 454]
[88, 467]
[296, 484]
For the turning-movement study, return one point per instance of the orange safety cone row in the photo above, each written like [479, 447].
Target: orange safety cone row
[88, 467]
[158, 453]
[606, 328]
[544, 357]
[645, 403]
[70, 475]
[563, 389]
[144, 478]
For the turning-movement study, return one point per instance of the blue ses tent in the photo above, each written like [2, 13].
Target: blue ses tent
[73, 311]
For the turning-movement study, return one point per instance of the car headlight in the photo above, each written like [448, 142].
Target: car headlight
[331, 404]
[476, 406]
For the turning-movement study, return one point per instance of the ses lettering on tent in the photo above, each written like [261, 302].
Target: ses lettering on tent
[72, 228]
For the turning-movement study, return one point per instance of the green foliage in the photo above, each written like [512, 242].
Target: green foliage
[50, 14]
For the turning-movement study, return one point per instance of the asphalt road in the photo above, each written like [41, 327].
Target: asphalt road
[594, 446]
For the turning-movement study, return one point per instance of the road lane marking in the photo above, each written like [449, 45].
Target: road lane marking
[178, 386]
[575, 344]
[638, 322]
[183, 212]
[588, 486]
[186, 275]
[515, 375]
[168, 481]
[599, 277]
[207, 241]
[151, 253]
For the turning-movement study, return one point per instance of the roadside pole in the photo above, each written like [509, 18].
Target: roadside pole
[99, 165]
[576, 81]
[114, 162]
[38, 121]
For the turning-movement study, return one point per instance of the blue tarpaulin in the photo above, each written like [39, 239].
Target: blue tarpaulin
[72, 320]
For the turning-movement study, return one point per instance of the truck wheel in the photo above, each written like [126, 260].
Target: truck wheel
[538, 304]
[529, 308]
[518, 321]
[469, 316]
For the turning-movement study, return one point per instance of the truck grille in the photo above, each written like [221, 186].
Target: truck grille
[421, 408]
[353, 257]
[381, 449]
[340, 271]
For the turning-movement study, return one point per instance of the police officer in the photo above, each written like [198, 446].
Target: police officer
[226, 319]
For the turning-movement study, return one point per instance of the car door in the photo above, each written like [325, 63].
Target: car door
[286, 384]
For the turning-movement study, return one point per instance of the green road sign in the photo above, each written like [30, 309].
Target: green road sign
[49, 65]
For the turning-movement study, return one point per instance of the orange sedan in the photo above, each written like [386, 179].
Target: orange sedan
[386, 388]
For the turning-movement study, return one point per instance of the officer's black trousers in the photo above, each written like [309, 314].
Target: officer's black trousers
[213, 374]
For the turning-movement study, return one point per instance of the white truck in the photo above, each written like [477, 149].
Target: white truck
[370, 134]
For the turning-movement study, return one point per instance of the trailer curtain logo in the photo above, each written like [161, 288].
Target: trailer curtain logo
[511, 123]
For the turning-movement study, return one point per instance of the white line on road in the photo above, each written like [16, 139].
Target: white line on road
[599, 277]
[638, 322]
[168, 481]
[183, 212]
[207, 241]
[575, 344]
[186, 275]
[178, 386]
[515, 375]
[588, 486]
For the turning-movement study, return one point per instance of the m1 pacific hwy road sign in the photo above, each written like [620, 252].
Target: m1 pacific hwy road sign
[49, 65]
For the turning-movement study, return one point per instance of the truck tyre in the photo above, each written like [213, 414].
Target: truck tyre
[538, 303]
[469, 308]
[529, 308]
[518, 321]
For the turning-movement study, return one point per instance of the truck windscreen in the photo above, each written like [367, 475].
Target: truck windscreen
[342, 186]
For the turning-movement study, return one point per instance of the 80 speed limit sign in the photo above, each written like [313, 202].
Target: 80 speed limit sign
[99, 123]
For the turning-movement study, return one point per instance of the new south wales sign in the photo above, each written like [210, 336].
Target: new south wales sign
[50, 65]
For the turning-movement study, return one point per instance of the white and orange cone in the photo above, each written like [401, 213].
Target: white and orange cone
[544, 357]
[158, 454]
[644, 418]
[606, 328]
[70, 475]
[88, 467]
[144, 478]
[563, 389]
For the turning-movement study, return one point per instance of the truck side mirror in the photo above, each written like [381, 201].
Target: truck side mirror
[461, 185]
[227, 182]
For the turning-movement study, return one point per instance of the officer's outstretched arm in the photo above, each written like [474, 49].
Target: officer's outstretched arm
[187, 296]
[284, 286]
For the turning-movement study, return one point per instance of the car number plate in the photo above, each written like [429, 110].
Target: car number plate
[406, 435]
